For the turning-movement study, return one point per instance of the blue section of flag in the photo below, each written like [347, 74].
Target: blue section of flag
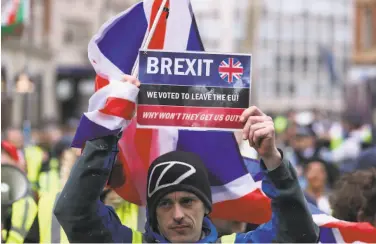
[194, 41]
[326, 234]
[85, 132]
[122, 50]
[219, 151]
[253, 167]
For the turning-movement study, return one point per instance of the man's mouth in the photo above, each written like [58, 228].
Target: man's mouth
[180, 227]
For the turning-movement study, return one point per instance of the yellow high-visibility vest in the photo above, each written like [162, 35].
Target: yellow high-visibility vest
[280, 124]
[24, 212]
[50, 230]
[228, 238]
[128, 214]
[49, 181]
[34, 160]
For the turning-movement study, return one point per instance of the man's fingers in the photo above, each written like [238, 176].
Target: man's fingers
[251, 111]
[256, 127]
[259, 135]
[253, 120]
[131, 79]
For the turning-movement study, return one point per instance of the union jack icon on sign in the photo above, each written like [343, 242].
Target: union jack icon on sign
[230, 70]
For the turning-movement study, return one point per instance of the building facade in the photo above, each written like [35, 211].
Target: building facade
[303, 53]
[29, 52]
[301, 48]
[361, 88]
[53, 49]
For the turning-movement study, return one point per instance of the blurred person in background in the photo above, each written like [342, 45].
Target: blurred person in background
[321, 124]
[228, 227]
[52, 144]
[32, 156]
[46, 228]
[49, 175]
[354, 197]
[316, 175]
[366, 159]
[347, 142]
[19, 217]
[130, 214]
[127, 212]
[15, 137]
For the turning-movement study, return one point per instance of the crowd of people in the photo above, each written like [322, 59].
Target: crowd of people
[334, 160]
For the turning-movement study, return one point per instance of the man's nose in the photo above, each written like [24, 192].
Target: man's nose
[178, 213]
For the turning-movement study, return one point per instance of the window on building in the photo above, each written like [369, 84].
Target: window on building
[345, 64]
[278, 88]
[305, 64]
[278, 63]
[264, 11]
[292, 88]
[367, 29]
[292, 63]
[345, 20]
[318, 89]
[76, 32]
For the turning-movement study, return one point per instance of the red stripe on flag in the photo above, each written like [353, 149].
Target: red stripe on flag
[157, 41]
[119, 107]
[252, 208]
[135, 146]
[100, 82]
[352, 232]
[140, 146]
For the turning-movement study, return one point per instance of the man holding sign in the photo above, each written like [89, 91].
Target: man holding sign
[179, 195]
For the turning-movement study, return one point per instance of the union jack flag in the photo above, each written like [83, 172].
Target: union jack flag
[230, 70]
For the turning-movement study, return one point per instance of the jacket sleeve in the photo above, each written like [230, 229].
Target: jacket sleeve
[291, 219]
[78, 209]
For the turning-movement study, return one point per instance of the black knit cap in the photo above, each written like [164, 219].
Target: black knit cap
[177, 171]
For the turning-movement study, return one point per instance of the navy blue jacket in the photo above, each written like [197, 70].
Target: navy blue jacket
[85, 218]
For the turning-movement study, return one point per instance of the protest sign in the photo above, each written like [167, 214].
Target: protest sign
[193, 90]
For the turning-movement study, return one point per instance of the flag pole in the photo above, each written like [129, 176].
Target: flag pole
[146, 41]
[145, 44]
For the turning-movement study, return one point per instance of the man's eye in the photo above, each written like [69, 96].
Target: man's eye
[187, 202]
[164, 204]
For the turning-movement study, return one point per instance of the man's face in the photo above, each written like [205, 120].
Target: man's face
[316, 175]
[303, 142]
[15, 137]
[180, 216]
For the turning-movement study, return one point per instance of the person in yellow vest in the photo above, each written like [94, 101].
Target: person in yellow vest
[227, 229]
[34, 156]
[19, 217]
[126, 211]
[49, 176]
[46, 228]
